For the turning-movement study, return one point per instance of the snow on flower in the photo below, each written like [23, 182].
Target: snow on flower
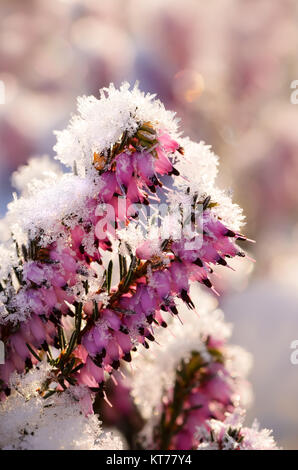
[29, 422]
[101, 122]
[36, 171]
[231, 434]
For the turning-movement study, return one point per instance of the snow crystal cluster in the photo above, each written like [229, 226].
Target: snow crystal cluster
[28, 422]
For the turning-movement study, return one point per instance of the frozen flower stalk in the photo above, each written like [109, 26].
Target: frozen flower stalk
[96, 260]
[231, 434]
[199, 379]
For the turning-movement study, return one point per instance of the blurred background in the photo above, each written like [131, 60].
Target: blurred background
[226, 68]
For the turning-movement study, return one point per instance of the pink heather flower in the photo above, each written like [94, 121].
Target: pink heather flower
[210, 392]
[19, 346]
[219, 388]
[124, 170]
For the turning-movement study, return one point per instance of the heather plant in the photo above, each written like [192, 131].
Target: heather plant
[109, 263]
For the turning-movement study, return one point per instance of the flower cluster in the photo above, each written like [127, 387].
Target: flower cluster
[59, 292]
[88, 276]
